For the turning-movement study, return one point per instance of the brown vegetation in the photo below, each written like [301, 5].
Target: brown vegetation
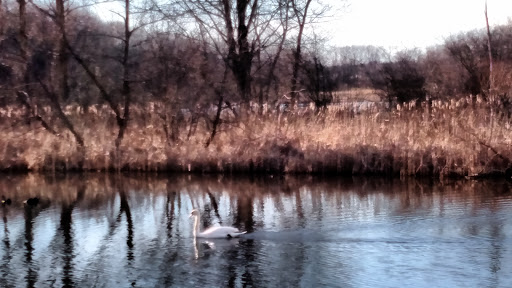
[238, 86]
[453, 138]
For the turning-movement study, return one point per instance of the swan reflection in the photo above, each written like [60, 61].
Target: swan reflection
[206, 247]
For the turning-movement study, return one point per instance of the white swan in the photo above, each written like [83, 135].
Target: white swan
[213, 232]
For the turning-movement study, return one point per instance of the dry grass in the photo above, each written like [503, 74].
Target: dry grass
[356, 94]
[456, 138]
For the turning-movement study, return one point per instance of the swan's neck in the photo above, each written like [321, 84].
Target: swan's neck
[196, 225]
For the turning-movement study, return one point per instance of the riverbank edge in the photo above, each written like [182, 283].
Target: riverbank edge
[366, 162]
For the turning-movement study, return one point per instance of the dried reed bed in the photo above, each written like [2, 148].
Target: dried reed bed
[455, 138]
[361, 94]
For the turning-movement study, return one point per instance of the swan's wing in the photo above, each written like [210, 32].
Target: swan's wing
[220, 232]
[221, 229]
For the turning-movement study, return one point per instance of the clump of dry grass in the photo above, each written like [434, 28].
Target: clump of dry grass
[353, 94]
[444, 139]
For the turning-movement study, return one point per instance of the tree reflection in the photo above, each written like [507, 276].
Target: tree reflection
[30, 213]
[125, 208]
[31, 276]
[119, 185]
[173, 199]
[66, 225]
[170, 210]
[7, 243]
[245, 216]
[244, 213]
[214, 204]
[300, 212]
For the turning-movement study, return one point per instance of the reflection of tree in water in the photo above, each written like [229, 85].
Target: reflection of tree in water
[125, 208]
[496, 247]
[496, 230]
[244, 214]
[5, 267]
[247, 250]
[172, 207]
[66, 226]
[31, 212]
[300, 210]
[31, 276]
[214, 204]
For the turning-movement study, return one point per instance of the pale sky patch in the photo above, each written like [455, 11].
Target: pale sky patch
[392, 24]
[411, 23]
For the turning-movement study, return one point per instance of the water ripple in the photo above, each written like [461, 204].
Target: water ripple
[131, 234]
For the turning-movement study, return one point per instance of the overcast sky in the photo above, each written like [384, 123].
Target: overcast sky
[411, 23]
[396, 24]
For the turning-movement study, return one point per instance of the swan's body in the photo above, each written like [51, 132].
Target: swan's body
[213, 232]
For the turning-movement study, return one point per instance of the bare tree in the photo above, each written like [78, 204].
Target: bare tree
[58, 15]
[464, 53]
[22, 10]
[122, 122]
[2, 17]
[65, 48]
[284, 12]
[62, 53]
[234, 22]
[301, 14]
[304, 14]
[489, 47]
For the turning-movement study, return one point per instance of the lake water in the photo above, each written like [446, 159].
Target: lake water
[135, 231]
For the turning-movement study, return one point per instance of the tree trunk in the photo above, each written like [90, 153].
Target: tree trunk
[491, 80]
[243, 61]
[489, 47]
[216, 122]
[240, 62]
[296, 66]
[2, 17]
[22, 32]
[277, 55]
[103, 91]
[126, 92]
[62, 53]
[301, 20]
[54, 100]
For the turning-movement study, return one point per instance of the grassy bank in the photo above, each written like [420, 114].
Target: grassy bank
[457, 138]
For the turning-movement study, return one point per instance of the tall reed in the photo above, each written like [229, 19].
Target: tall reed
[453, 138]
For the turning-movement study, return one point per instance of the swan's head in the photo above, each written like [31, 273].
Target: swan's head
[194, 213]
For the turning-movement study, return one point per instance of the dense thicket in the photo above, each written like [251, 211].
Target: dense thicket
[242, 54]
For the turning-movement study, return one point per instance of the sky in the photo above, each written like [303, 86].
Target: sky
[396, 24]
[407, 24]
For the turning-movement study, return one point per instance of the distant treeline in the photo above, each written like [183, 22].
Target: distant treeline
[458, 68]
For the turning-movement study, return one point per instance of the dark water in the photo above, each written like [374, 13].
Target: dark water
[106, 231]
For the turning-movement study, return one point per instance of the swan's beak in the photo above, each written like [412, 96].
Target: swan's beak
[191, 215]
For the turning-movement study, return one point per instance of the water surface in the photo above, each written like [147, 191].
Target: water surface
[134, 231]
